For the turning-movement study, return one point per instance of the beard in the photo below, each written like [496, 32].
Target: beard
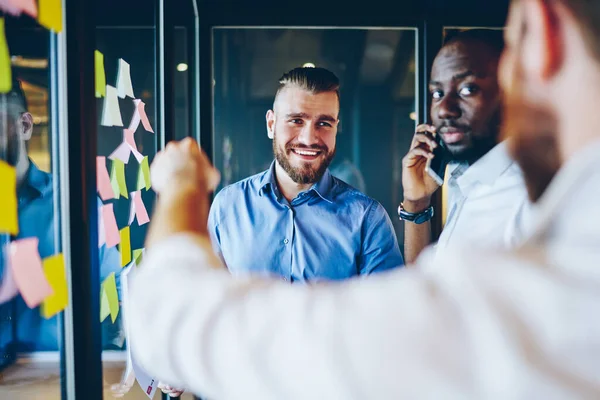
[533, 143]
[9, 141]
[306, 173]
[477, 145]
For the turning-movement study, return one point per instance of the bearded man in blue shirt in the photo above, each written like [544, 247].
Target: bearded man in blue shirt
[296, 220]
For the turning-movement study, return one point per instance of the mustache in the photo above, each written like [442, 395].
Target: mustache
[291, 146]
[452, 124]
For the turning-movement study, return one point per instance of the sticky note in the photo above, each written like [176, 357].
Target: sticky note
[103, 180]
[121, 153]
[137, 209]
[138, 255]
[8, 287]
[28, 272]
[9, 221]
[124, 87]
[117, 179]
[128, 138]
[139, 114]
[101, 233]
[110, 298]
[111, 113]
[109, 222]
[125, 246]
[100, 74]
[5, 70]
[104, 306]
[144, 175]
[50, 14]
[54, 269]
[16, 7]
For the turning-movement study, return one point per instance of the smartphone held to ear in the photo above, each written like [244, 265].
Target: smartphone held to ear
[436, 166]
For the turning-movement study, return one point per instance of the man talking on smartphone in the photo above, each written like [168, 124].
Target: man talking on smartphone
[487, 198]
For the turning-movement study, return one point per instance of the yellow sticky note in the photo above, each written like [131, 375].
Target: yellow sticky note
[9, 222]
[100, 75]
[109, 289]
[104, 306]
[137, 256]
[144, 175]
[125, 246]
[5, 71]
[54, 269]
[50, 14]
[117, 179]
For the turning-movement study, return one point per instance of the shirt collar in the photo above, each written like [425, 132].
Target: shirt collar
[37, 182]
[488, 168]
[323, 187]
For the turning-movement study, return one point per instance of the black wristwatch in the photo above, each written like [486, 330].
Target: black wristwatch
[417, 218]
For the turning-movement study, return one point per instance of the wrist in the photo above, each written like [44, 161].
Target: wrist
[416, 206]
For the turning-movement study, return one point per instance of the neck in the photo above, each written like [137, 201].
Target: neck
[288, 188]
[21, 168]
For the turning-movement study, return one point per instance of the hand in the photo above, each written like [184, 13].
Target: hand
[183, 164]
[418, 185]
[172, 392]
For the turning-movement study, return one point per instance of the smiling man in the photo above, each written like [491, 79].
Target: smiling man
[296, 220]
[487, 196]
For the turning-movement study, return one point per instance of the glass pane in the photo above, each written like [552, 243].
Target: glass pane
[377, 70]
[182, 74]
[125, 150]
[26, 334]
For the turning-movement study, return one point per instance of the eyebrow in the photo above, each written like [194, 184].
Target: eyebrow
[322, 117]
[458, 77]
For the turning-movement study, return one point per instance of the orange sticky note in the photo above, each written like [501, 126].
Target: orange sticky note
[99, 73]
[5, 70]
[9, 221]
[110, 296]
[50, 14]
[109, 223]
[103, 180]
[54, 269]
[28, 272]
[125, 246]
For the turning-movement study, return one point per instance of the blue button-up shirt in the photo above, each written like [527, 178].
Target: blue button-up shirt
[329, 232]
[37, 219]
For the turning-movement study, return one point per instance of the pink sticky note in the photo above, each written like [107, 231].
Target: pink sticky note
[140, 107]
[28, 271]
[103, 180]
[130, 141]
[138, 209]
[15, 7]
[8, 287]
[111, 231]
[121, 153]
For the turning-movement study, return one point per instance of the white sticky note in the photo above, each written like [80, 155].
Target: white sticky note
[124, 87]
[111, 113]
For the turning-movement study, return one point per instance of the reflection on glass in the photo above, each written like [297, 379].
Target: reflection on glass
[25, 143]
[378, 77]
[182, 108]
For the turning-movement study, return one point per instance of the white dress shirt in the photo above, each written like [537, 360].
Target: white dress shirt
[518, 324]
[487, 203]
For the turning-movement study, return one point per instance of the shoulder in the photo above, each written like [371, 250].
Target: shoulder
[248, 185]
[345, 195]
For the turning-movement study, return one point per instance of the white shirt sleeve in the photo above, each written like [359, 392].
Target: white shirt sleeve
[482, 327]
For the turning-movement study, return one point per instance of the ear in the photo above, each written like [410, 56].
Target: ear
[27, 124]
[270, 124]
[542, 47]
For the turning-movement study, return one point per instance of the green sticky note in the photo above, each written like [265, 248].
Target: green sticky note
[137, 256]
[5, 70]
[144, 175]
[104, 306]
[109, 287]
[117, 179]
[125, 246]
[100, 75]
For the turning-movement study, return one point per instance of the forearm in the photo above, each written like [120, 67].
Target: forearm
[416, 236]
[183, 209]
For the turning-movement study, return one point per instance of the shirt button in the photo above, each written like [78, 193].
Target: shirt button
[286, 241]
